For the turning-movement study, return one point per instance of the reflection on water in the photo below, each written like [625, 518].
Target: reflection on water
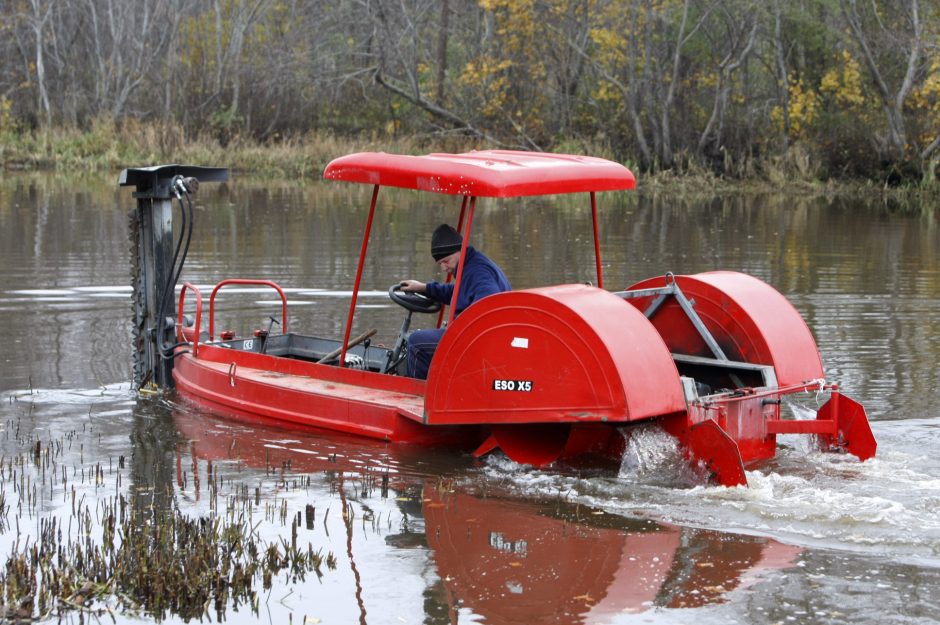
[513, 562]
[422, 536]
[428, 536]
[505, 560]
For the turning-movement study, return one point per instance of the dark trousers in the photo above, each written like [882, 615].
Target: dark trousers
[421, 346]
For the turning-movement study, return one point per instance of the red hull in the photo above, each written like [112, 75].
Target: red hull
[250, 385]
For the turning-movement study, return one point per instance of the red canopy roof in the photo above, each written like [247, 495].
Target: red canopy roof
[488, 173]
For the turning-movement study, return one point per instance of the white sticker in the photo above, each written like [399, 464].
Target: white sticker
[524, 386]
[520, 342]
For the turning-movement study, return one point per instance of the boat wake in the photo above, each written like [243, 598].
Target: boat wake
[886, 506]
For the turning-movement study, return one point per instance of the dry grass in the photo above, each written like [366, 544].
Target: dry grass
[109, 146]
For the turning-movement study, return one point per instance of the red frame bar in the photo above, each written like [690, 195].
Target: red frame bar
[802, 426]
[355, 293]
[748, 393]
[463, 211]
[179, 322]
[463, 255]
[244, 281]
[597, 242]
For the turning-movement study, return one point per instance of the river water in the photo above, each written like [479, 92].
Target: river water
[433, 536]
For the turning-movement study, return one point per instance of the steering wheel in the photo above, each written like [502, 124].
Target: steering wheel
[415, 302]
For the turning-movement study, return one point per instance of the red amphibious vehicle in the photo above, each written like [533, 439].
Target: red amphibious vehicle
[543, 374]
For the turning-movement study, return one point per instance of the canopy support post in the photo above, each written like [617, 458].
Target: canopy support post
[597, 242]
[362, 260]
[463, 211]
[463, 255]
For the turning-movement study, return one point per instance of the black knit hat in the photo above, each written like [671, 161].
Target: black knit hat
[445, 241]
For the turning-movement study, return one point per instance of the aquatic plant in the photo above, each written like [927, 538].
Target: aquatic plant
[116, 555]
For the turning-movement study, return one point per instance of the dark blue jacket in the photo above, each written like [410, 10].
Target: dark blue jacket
[481, 277]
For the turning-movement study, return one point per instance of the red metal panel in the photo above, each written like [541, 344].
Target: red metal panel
[852, 432]
[246, 384]
[488, 173]
[563, 354]
[540, 444]
[744, 420]
[710, 444]
[750, 320]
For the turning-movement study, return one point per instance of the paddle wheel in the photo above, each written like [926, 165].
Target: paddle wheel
[709, 356]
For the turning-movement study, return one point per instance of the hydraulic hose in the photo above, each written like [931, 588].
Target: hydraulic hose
[182, 188]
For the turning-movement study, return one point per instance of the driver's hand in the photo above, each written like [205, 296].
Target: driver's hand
[413, 286]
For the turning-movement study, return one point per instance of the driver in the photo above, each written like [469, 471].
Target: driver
[481, 277]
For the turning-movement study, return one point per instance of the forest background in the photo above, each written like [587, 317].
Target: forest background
[771, 90]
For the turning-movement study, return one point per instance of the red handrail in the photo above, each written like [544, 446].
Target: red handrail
[179, 323]
[243, 281]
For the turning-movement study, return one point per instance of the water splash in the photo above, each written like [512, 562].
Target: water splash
[652, 455]
[886, 506]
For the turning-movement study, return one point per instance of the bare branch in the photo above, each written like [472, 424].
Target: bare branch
[418, 100]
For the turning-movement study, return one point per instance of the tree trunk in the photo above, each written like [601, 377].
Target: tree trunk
[891, 104]
[442, 52]
[783, 80]
[38, 21]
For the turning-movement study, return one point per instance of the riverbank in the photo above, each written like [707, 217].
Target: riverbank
[110, 146]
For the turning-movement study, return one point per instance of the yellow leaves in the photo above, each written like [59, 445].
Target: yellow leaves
[843, 83]
[926, 99]
[7, 121]
[840, 91]
[705, 80]
[611, 45]
[490, 77]
[608, 39]
[927, 96]
[606, 92]
[515, 22]
[804, 106]
[483, 70]
[829, 82]
[425, 74]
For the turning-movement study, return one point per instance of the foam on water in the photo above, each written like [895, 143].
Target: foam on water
[108, 393]
[887, 506]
